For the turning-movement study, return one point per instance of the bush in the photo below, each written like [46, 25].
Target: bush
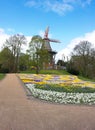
[73, 71]
[4, 70]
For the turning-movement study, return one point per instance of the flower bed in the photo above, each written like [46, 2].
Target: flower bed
[55, 79]
[32, 80]
[68, 88]
[66, 98]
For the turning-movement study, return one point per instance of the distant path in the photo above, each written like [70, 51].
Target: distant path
[17, 112]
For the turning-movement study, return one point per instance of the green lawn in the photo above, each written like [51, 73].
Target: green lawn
[57, 72]
[2, 76]
[86, 79]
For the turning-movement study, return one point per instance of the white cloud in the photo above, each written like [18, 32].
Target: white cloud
[25, 47]
[84, 3]
[31, 3]
[1, 31]
[41, 33]
[66, 51]
[78, 2]
[3, 37]
[59, 7]
[28, 38]
[48, 5]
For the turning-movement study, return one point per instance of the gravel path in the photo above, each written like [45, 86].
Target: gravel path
[17, 112]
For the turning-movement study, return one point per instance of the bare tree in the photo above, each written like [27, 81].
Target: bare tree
[81, 57]
[14, 43]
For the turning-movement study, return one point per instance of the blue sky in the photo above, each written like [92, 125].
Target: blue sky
[69, 20]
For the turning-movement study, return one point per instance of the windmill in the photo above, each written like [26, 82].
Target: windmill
[49, 49]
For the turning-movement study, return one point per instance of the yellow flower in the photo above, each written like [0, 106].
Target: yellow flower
[26, 80]
[62, 80]
[41, 83]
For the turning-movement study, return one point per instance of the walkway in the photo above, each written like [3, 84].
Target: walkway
[17, 112]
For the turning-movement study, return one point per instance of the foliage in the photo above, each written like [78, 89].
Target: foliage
[83, 60]
[24, 62]
[6, 60]
[37, 53]
[72, 69]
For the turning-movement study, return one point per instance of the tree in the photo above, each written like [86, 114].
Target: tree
[14, 43]
[23, 62]
[81, 58]
[92, 64]
[6, 60]
[37, 52]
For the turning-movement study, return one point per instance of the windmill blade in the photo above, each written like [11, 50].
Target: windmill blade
[46, 32]
[48, 39]
[54, 40]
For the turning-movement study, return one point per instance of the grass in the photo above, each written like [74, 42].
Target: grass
[68, 89]
[56, 72]
[28, 72]
[2, 76]
[86, 79]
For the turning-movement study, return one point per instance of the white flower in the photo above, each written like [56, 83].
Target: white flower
[64, 97]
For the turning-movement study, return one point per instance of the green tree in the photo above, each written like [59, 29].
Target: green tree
[37, 52]
[23, 62]
[6, 60]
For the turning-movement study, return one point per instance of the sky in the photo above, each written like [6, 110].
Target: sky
[69, 21]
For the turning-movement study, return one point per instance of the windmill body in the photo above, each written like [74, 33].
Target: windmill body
[47, 46]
